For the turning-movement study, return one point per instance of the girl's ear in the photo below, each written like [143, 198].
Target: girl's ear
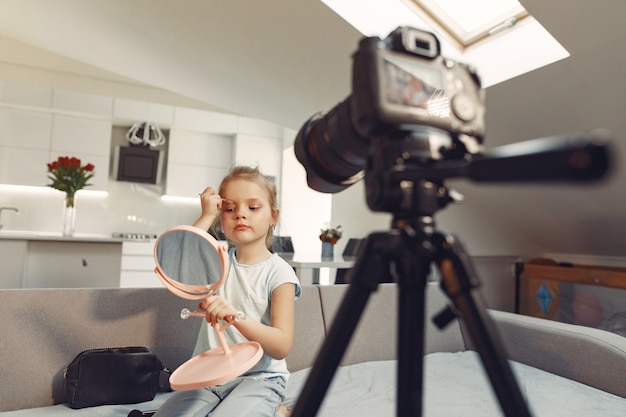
[275, 214]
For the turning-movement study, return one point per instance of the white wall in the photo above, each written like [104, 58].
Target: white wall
[128, 207]
[303, 211]
[356, 219]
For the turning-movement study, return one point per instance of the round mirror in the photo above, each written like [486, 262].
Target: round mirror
[193, 265]
[190, 262]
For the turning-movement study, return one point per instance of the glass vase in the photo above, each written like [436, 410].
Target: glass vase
[69, 216]
[328, 250]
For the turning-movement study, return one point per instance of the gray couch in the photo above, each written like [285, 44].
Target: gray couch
[43, 329]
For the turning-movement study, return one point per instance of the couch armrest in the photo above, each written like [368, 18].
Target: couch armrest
[591, 356]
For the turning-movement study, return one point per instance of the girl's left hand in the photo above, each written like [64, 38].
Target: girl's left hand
[217, 308]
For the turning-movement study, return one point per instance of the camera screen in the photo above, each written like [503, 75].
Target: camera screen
[409, 83]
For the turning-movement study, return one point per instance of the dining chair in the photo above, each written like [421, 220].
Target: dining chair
[351, 249]
[282, 244]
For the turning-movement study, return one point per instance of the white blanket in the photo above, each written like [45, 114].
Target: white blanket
[455, 384]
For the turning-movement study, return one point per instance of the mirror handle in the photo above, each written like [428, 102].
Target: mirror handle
[185, 313]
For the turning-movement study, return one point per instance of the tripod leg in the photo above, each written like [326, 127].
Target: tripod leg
[411, 330]
[370, 268]
[459, 282]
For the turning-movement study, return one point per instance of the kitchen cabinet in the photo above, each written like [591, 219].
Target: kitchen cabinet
[25, 129]
[262, 151]
[204, 121]
[138, 265]
[39, 138]
[24, 136]
[12, 263]
[195, 160]
[87, 139]
[72, 101]
[72, 264]
[132, 111]
[25, 94]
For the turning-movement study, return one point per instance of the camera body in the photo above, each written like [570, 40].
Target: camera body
[403, 91]
[403, 81]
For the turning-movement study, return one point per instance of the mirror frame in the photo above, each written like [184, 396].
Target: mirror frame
[188, 291]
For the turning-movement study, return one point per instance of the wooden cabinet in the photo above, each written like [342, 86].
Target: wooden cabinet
[590, 295]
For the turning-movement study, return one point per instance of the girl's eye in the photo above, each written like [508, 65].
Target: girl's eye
[253, 208]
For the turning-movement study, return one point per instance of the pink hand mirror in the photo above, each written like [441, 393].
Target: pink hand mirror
[193, 265]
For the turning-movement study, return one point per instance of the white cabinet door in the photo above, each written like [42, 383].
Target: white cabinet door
[25, 94]
[81, 135]
[58, 264]
[87, 139]
[264, 152]
[196, 160]
[12, 261]
[138, 265]
[24, 147]
[19, 166]
[25, 129]
[133, 111]
[82, 103]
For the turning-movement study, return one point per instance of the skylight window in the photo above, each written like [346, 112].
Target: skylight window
[498, 37]
[468, 22]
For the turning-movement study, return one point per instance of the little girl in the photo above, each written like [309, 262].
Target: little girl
[261, 285]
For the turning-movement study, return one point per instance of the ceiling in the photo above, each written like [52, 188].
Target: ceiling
[282, 61]
[275, 60]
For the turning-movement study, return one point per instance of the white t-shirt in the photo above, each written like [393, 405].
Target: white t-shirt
[249, 288]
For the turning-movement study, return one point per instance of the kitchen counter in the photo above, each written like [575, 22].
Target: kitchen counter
[56, 236]
[31, 259]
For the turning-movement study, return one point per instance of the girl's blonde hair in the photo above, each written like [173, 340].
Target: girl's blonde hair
[264, 181]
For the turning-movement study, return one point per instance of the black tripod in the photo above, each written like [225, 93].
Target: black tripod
[405, 254]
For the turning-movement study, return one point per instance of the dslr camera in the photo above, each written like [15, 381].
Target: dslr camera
[409, 106]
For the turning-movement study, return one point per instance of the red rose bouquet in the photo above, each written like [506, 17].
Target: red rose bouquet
[68, 175]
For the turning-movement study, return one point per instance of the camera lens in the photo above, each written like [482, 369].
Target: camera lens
[331, 150]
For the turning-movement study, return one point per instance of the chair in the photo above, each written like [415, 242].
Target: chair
[282, 244]
[351, 249]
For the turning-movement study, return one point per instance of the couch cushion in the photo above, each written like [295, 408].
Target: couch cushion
[45, 328]
[309, 332]
[375, 338]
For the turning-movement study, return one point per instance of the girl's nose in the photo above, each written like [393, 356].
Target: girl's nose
[240, 211]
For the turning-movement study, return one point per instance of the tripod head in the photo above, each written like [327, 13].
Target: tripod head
[402, 180]
[416, 118]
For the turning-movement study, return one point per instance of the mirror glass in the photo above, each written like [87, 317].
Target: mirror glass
[190, 262]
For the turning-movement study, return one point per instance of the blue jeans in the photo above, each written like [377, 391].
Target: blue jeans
[241, 397]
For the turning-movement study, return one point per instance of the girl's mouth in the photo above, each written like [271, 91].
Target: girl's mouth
[241, 227]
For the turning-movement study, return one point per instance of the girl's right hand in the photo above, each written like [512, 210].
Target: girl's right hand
[217, 308]
[211, 204]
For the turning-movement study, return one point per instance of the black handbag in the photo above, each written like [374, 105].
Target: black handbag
[120, 375]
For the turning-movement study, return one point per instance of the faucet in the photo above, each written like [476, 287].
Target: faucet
[7, 208]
